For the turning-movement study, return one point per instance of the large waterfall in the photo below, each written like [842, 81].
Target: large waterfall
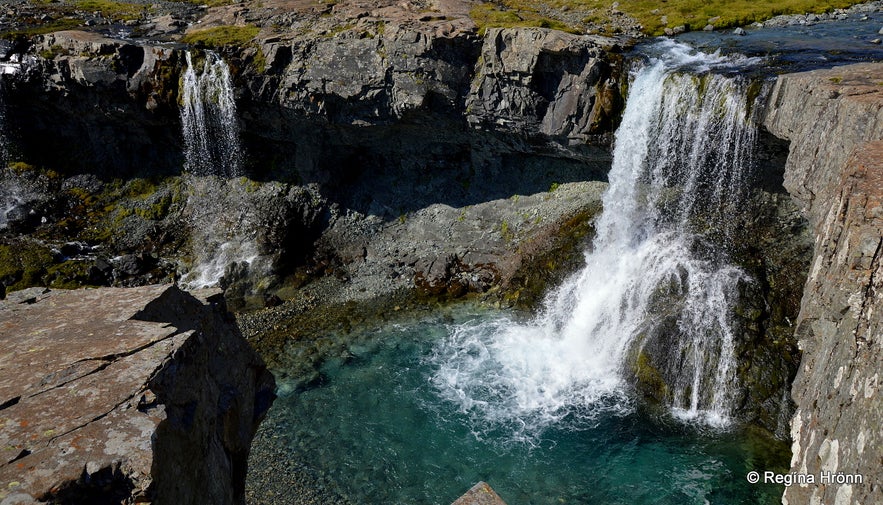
[222, 234]
[657, 279]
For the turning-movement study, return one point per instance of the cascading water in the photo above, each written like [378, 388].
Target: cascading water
[653, 283]
[220, 235]
[208, 117]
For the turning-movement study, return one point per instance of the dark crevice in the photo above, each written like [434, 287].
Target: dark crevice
[21, 455]
[10, 402]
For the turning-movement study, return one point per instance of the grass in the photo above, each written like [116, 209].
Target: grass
[110, 8]
[513, 14]
[211, 3]
[56, 25]
[694, 14]
[221, 36]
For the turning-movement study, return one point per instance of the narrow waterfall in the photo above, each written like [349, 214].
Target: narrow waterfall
[657, 280]
[9, 192]
[208, 117]
[221, 232]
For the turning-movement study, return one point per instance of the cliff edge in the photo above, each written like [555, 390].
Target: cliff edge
[834, 120]
[137, 394]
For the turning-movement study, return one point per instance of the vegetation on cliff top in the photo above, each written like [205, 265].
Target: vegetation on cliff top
[221, 36]
[652, 15]
[695, 14]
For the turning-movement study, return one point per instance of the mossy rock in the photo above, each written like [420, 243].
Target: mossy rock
[71, 274]
[649, 380]
[23, 264]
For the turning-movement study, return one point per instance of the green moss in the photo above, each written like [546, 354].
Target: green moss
[506, 232]
[55, 25]
[53, 52]
[221, 36]
[23, 264]
[139, 188]
[649, 379]
[21, 167]
[694, 14]
[260, 61]
[513, 13]
[71, 274]
[111, 9]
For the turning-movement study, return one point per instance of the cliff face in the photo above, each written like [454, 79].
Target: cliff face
[313, 103]
[834, 120]
[141, 394]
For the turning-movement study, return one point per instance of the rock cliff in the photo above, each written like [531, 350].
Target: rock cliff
[141, 394]
[834, 120]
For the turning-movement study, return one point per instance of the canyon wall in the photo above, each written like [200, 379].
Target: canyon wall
[834, 120]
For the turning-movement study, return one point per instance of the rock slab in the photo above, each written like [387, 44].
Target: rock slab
[480, 494]
[136, 394]
[834, 120]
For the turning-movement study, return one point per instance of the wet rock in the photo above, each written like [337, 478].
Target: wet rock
[708, 28]
[739, 31]
[145, 394]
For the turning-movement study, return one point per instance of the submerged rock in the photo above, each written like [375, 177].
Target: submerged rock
[139, 394]
[480, 494]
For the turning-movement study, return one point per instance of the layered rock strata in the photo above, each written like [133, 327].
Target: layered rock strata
[834, 120]
[138, 394]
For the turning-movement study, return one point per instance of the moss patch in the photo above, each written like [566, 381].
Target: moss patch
[649, 379]
[23, 264]
[510, 14]
[111, 9]
[222, 36]
[695, 14]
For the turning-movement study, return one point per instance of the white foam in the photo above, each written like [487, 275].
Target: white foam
[680, 155]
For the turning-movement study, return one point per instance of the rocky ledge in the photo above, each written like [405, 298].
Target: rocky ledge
[141, 395]
[834, 120]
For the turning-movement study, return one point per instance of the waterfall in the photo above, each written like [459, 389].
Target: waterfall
[657, 281]
[208, 117]
[221, 236]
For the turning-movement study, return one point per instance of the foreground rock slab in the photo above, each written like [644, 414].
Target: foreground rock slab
[135, 394]
[480, 494]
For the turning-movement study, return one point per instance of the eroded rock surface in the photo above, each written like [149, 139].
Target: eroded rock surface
[139, 394]
[834, 120]
[480, 494]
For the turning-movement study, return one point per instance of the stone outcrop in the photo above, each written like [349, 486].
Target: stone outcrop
[309, 94]
[137, 394]
[834, 120]
[480, 494]
[544, 82]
